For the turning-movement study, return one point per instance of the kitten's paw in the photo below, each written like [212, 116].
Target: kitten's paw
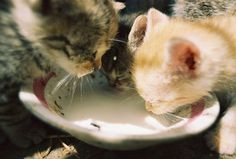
[25, 134]
[222, 141]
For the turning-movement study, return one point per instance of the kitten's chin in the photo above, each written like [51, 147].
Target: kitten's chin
[82, 69]
[158, 108]
[81, 74]
[162, 109]
[169, 107]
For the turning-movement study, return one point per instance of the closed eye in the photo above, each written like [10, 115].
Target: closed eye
[57, 38]
[59, 43]
[180, 98]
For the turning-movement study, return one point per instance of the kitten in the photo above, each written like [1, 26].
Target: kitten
[38, 36]
[116, 67]
[198, 9]
[180, 61]
[117, 61]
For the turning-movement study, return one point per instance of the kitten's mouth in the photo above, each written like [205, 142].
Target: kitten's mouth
[191, 110]
[84, 69]
[79, 75]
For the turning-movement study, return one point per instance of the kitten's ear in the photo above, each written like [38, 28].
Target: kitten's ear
[41, 6]
[118, 6]
[137, 32]
[143, 26]
[183, 57]
[154, 18]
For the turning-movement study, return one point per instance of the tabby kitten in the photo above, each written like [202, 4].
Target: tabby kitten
[198, 9]
[38, 36]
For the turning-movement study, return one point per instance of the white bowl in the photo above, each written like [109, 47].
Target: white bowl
[106, 118]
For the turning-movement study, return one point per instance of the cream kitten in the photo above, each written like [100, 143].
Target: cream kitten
[178, 62]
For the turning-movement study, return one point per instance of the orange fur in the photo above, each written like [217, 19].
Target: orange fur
[166, 89]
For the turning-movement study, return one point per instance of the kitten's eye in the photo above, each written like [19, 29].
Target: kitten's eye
[115, 58]
[94, 54]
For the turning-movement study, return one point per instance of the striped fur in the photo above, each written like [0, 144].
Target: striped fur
[198, 9]
[38, 36]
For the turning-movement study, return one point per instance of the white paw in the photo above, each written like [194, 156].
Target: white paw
[223, 141]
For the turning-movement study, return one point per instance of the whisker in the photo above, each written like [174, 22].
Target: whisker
[173, 115]
[171, 119]
[117, 40]
[168, 119]
[128, 87]
[129, 97]
[81, 87]
[91, 83]
[69, 80]
[88, 82]
[60, 83]
[73, 89]
[139, 102]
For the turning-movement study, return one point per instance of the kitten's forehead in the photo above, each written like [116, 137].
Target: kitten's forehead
[76, 19]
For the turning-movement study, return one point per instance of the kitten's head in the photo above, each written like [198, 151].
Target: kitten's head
[72, 33]
[116, 66]
[172, 67]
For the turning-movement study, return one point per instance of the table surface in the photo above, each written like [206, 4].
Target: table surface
[59, 145]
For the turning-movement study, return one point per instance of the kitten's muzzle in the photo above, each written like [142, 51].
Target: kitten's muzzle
[85, 68]
[97, 64]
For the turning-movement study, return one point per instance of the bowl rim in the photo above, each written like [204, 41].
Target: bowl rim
[89, 135]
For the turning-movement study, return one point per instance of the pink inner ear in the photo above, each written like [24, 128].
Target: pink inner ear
[184, 56]
[137, 32]
[155, 17]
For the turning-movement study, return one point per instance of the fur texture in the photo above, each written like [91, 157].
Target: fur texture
[38, 36]
[118, 71]
[198, 9]
[116, 62]
[180, 61]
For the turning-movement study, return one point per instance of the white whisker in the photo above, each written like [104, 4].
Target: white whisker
[117, 40]
[81, 87]
[73, 89]
[69, 80]
[89, 84]
[173, 115]
[129, 97]
[128, 87]
[90, 81]
[60, 83]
